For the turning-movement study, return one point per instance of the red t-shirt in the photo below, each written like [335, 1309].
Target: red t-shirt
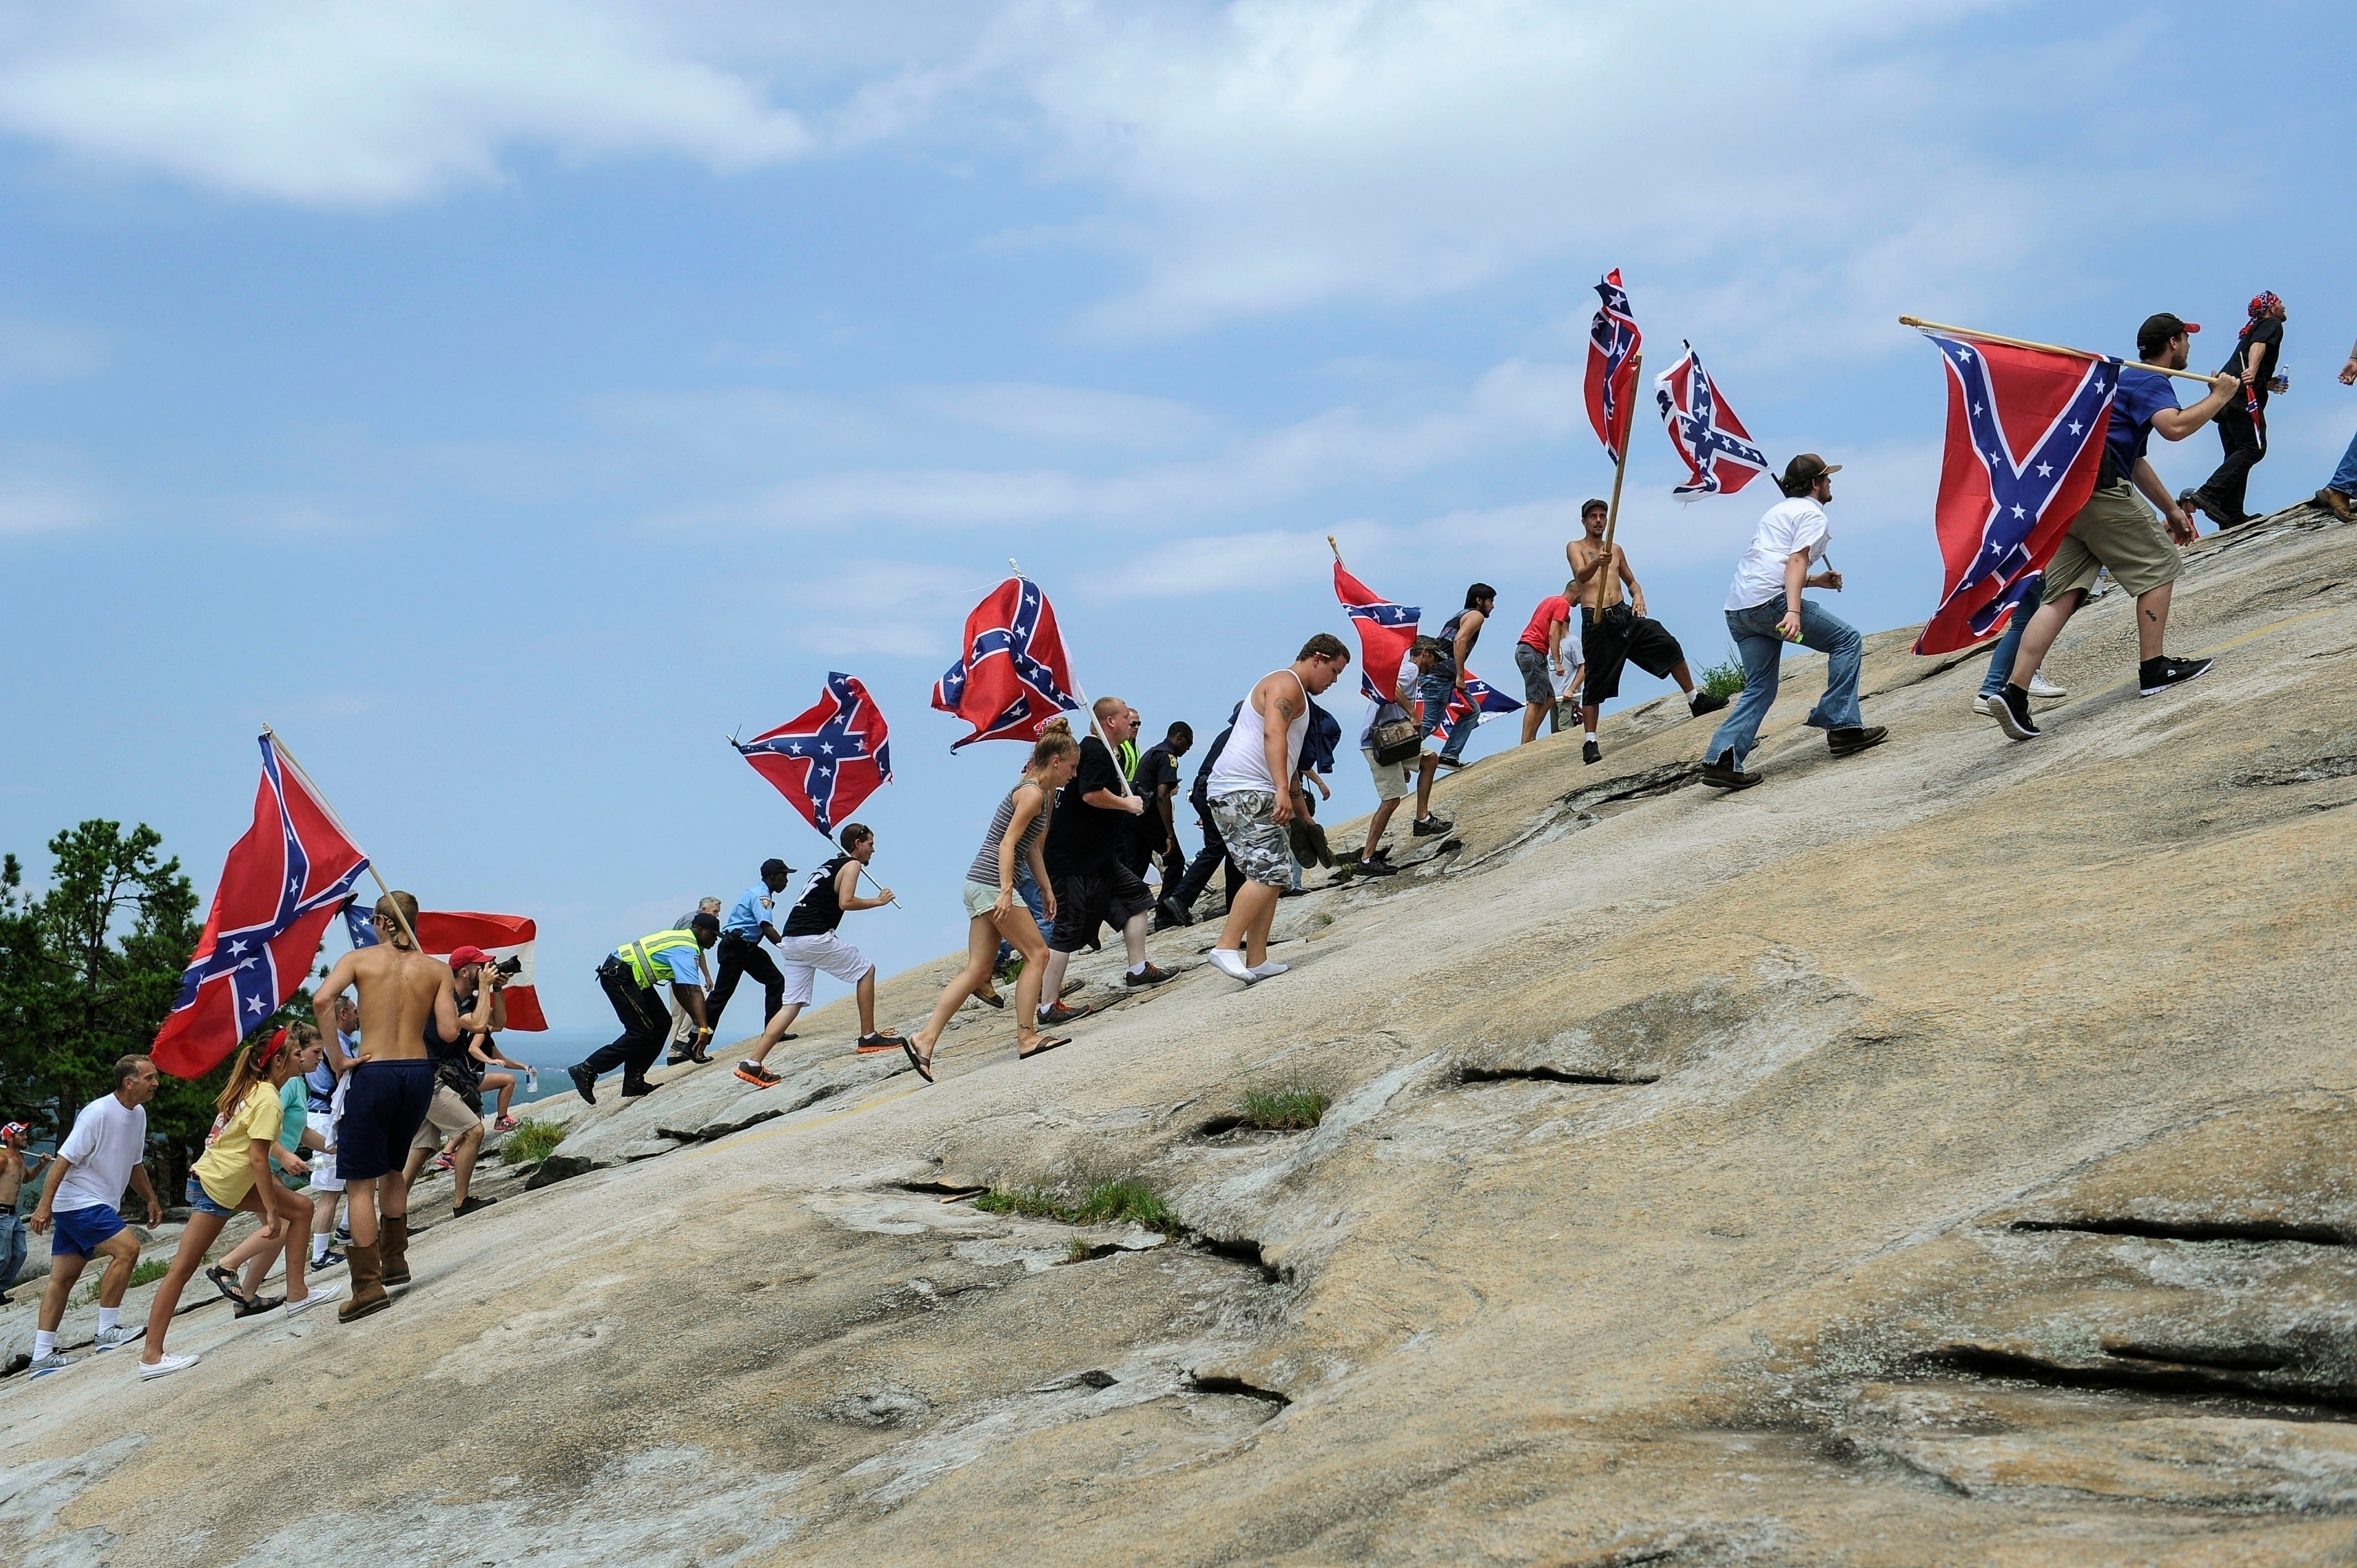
[1551, 609]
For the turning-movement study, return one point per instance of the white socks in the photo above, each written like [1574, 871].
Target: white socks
[1590, 736]
[1140, 966]
[106, 1317]
[44, 1341]
[318, 1249]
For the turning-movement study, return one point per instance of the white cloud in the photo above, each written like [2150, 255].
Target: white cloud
[1069, 415]
[30, 508]
[348, 102]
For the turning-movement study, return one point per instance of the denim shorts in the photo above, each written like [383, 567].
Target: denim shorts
[203, 1201]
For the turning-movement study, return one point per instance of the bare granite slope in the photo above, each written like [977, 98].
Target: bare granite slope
[1935, 1156]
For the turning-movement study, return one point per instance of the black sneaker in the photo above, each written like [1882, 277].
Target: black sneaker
[1590, 752]
[1377, 868]
[329, 1261]
[2012, 709]
[1702, 703]
[1844, 742]
[1427, 827]
[1060, 1014]
[1721, 773]
[1153, 974]
[633, 1090]
[758, 1076]
[1451, 763]
[472, 1205]
[585, 1081]
[2155, 676]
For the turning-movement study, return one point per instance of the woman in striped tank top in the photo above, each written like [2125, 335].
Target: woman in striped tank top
[1017, 830]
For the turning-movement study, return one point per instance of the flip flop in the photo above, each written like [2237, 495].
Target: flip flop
[1047, 1042]
[922, 1070]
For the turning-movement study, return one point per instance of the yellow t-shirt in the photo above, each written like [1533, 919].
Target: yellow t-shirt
[225, 1169]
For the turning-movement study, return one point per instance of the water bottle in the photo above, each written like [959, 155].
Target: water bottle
[532, 1081]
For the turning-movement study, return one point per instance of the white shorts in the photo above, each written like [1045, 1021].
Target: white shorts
[800, 959]
[323, 1161]
[1394, 780]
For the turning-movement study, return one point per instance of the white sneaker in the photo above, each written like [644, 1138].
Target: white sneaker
[114, 1339]
[1268, 970]
[1230, 962]
[2041, 687]
[1984, 704]
[52, 1362]
[319, 1296]
[166, 1366]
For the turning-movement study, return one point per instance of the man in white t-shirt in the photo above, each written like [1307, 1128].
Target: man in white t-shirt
[1765, 611]
[98, 1158]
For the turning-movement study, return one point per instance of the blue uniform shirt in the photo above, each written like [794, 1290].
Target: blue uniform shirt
[2140, 395]
[684, 969]
[756, 910]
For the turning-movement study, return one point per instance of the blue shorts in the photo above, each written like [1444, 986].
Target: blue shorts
[203, 1201]
[384, 1104]
[77, 1232]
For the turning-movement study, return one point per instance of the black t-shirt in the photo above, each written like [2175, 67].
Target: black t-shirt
[818, 911]
[2264, 339]
[1083, 838]
[453, 1062]
[1155, 769]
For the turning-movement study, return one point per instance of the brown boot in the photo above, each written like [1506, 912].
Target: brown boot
[392, 1246]
[368, 1283]
[2336, 503]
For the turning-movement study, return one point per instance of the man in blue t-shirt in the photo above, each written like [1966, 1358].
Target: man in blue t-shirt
[2115, 530]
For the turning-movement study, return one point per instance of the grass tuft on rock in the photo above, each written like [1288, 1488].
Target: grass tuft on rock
[1724, 679]
[146, 1271]
[1283, 1110]
[531, 1142]
[1105, 1203]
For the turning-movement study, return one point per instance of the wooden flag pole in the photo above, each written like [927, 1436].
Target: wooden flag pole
[1335, 548]
[1924, 326]
[1620, 472]
[317, 794]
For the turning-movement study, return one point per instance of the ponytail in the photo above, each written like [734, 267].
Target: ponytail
[1055, 743]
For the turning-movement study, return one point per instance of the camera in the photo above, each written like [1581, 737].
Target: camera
[510, 966]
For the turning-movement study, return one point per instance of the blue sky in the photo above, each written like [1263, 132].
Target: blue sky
[507, 401]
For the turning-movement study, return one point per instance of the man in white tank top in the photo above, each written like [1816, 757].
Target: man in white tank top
[1251, 794]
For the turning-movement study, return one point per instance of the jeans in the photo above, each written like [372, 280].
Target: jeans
[1027, 887]
[739, 958]
[12, 1248]
[1208, 859]
[1435, 692]
[1763, 648]
[2000, 668]
[2344, 478]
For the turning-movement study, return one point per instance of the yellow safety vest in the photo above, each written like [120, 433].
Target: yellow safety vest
[643, 955]
[1129, 761]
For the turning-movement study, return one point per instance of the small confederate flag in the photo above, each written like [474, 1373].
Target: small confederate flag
[828, 759]
[1716, 450]
[2026, 433]
[1488, 704]
[1612, 344]
[1013, 676]
[279, 889]
[442, 933]
[1385, 629]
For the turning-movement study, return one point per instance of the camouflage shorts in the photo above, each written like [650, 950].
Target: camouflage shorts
[1247, 826]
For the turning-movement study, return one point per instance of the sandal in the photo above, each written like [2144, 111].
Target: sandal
[924, 1070]
[1047, 1042]
[260, 1304]
[225, 1281]
[990, 999]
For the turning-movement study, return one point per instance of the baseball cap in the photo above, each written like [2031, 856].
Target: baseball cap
[1803, 471]
[461, 957]
[2159, 328]
[773, 867]
[15, 1130]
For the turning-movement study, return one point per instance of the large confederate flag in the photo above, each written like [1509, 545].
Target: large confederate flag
[281, 886]
[1385, 630]
[1012, 675]
[2026, 433]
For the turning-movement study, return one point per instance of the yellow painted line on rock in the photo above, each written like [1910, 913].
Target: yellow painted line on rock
[2216, 649]
[738, 1141]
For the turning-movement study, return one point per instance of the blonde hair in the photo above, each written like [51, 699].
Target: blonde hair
[1108, 708]
[1055, 743]
[249, 1069]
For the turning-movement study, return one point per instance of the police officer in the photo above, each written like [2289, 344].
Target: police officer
[753, 921]
[629, 977]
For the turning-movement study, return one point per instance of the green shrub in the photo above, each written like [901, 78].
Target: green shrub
[1724, 680]
[1028, 1201]
[1283, 1110]
[146, 1271]
[531, 1142]
[1105, 1203]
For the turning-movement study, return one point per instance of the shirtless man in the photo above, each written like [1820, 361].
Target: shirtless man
[1614, 634]
[403, 994]
[14, 1169]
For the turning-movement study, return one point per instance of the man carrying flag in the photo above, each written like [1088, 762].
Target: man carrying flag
[2115, 530]
[1389, 647]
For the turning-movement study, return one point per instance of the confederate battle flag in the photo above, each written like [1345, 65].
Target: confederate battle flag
[1385, 630]
[1612, 344]
[2025, 440]
[1013, 676]
[281, 886]
[829, 758]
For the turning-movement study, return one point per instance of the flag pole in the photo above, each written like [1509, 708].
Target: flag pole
[1088, 708]
[1620, 472]
[1924, 326]
[317, 794]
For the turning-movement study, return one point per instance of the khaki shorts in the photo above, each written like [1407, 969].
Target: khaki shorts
[444, 1119]
[1394, 780]
[982, 897]
[2115, 528]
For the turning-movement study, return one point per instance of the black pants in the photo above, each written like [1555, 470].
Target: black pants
[739, 958]
[2225, 493]
[1209, 858]
[646, 1025]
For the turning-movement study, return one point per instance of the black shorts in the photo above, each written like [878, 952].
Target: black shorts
[1621, 637]
[383, 1107]
[1110, 895]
